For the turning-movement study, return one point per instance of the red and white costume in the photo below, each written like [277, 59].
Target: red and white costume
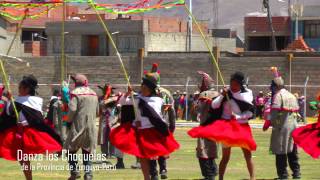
[147, 135]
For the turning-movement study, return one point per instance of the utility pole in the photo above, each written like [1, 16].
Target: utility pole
[190, 26]
[266, 4]
[289, 8]
[215, 20]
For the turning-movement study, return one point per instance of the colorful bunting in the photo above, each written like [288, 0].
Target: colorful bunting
[36, 8]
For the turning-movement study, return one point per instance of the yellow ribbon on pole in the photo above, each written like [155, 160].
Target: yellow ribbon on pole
[117, 51]
[3, 70]
[112, 41]
[62, 68]
[215, 62]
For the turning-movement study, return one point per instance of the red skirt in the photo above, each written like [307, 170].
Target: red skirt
[30, 141]
[229, 133]
[308, 138]
[143, 143]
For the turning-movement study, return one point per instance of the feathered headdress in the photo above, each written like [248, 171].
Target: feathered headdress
[154, 70]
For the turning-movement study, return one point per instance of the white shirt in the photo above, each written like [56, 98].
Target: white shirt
[155, 102]
[33, 102]
[231, 107]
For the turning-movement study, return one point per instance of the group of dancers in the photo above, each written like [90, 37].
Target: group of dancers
[145, 132]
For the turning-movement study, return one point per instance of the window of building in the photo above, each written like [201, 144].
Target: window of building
[30, 35]
[312, 29]
[127, 44]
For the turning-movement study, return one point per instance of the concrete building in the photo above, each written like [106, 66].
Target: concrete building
[258, 34]
[88, 38]
[308, 25]
[227, 40]
[31, 39]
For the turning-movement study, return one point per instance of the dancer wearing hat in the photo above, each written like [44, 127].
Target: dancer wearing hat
[144, 133]
[308, 137]
[26, 133]
[283, 119]
[83, 111]
[233, 109]
[168, 113]
[206, 149]
[109, 113]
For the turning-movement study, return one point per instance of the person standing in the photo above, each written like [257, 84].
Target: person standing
[26, 133]
[176, 97]
[143, 132]
[283, 118]
[308, 137]
[54, 115]
[83, 111]
[260, 101]
[206, 149]
[169, 115]
[234, 108]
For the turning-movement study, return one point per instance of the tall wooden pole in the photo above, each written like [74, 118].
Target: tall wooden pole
[266, 4]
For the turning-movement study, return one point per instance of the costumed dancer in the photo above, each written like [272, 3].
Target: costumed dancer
[169, 115]
[266, 112]
[83, 111]
[308, 137]
[206, 149]
[143, 132]
[234, 107]
[283, 119]
[2, 102]
[64, 108]
[109, 113]
[54, 115]
[26, 134]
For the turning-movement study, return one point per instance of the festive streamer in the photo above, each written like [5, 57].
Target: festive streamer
[18, 11]
[15, 10]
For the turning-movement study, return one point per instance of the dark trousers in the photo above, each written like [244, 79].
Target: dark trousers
[73, 163]
[259, 112]
[162, 164]
[282, 161]
[208, 168]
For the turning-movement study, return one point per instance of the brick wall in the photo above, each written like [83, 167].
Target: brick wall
[261, 25]
[174, 70]
[170, 24]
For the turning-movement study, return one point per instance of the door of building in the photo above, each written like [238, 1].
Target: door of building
[93, 45]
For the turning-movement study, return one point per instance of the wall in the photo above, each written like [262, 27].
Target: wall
[174, 70]
[225, 44]
[169, 42]
[6, 38]
[260, 25]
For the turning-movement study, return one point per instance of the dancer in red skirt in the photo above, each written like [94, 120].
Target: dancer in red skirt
[233, 108]
[28, 134]
[308, 137]
[143, 133]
